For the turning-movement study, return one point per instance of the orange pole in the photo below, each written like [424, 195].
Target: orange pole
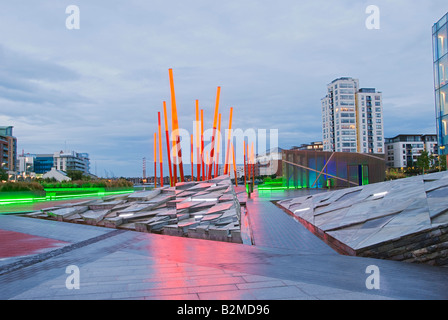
[218, 148]
[215, 119]
[226, 164]
[198, 143]
[234, 166]
[160, 150]
[175, 128]
[202, 145]
[155, 160]
[168, 144]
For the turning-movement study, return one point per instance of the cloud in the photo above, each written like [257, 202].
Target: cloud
[100, 88]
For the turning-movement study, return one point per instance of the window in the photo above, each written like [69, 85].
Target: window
[378, 115]
[441, 42]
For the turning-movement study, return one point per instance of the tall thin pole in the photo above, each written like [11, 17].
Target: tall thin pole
[155, 160]
[215, 119]
[198, 143]
[253, 164]
[191, 158]
[234, 166]
[218, 148]
[160, 150]
[202, 144]
[175, 128]
[168, 144]
[248, 161]
[244, 161]
[226, 164]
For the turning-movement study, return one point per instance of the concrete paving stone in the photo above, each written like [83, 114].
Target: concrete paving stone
[188, 297]
[227, 295]
[352, 296]
[261, 284]
[256, 278]
[212, 288]
[316, 290]
[285, 292]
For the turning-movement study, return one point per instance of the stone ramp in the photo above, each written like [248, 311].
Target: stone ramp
[403, 220]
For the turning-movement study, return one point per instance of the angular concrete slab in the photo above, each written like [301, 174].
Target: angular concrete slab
[395, 214]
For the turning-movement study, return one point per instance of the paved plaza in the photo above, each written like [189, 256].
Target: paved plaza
[285, 262]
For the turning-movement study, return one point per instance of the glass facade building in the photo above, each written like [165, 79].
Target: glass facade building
[440, 52]
[320, 169]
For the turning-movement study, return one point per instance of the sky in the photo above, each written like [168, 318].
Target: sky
[97, 89]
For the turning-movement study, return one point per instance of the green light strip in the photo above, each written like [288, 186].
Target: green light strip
[28, 199]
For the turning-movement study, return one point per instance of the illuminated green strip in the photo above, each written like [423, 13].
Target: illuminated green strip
[52, 195]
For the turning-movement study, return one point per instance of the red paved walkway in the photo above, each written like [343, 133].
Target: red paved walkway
[16, 244]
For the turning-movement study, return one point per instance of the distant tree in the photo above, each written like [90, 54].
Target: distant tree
[443, 162]
[75, 174]
[3, 174]
[424, 161]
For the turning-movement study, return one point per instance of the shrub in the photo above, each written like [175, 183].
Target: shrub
[20, 186]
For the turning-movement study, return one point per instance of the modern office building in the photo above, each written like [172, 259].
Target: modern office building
[8, 149]
[352, 118]
[43, 163]
[65, 161]
[26, 163]
[440, 58]
[61, 161]
[403, 150]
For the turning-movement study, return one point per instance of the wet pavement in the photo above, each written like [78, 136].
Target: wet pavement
[286, 262]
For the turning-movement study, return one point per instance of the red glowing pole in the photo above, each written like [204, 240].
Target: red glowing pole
[168, 143]
[215, 119]
[175, 128]
[202, 145]
[218, 148]
[155, 160]
[160, 150]
[226, 164]
[198, 143]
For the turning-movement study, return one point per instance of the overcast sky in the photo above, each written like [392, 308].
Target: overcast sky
[98, 89]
